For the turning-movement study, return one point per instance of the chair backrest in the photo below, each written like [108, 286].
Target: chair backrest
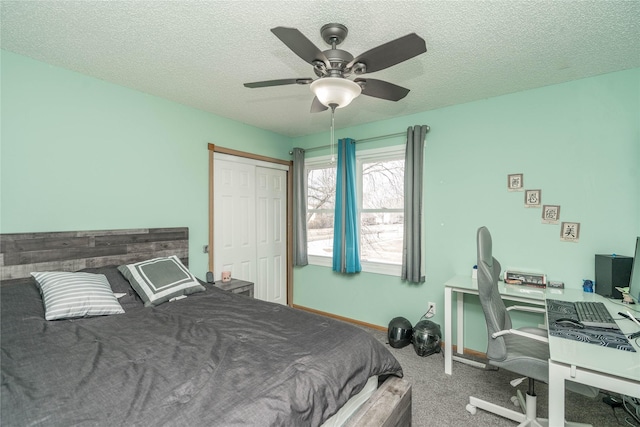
[495, 312]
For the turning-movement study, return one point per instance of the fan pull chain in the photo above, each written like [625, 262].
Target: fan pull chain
[332, 142]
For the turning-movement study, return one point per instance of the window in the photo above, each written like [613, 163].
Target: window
[321, 192]
[380, 175]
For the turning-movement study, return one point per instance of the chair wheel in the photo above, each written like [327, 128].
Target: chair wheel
[515, 401]
[471, 409]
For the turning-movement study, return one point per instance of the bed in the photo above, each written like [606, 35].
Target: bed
[211, 358]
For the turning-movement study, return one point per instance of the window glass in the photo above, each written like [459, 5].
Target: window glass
[383, 184]
[382, 211]
[321, 197]
[380, 208]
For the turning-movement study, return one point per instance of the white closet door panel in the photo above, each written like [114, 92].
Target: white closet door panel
[234, 222]
[276, 291]
[247, 269]
[250, 224]
[242, 218]
[263, 277]
[271, 223]
[279, 208]
[262, 227]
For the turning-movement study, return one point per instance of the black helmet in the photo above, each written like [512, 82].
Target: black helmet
[426, 338]
[399, 332]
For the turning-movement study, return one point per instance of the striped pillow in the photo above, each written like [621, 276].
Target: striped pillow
[66, 295]
[160, 279]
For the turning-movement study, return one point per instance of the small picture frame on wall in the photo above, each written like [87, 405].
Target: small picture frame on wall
[550, 214]
[515, 182]
[532, 198]
[570, 232]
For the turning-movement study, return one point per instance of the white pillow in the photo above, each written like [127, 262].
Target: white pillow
[66, 295]
[160, 279]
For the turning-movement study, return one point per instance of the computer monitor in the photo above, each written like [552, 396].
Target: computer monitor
[634, 284]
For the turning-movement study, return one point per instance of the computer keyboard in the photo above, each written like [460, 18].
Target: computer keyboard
[595, 314]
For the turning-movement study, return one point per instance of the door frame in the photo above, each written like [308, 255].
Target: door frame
[212, 148]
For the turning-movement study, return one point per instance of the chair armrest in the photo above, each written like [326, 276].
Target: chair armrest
[526, 308]
[521, 333]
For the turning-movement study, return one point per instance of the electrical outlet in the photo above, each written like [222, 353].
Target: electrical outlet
[432, 308]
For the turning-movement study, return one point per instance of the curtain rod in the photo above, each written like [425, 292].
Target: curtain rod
[373, 138]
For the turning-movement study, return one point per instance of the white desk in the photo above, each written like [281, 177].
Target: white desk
[606, 368]
[602, 367]
[466, 285]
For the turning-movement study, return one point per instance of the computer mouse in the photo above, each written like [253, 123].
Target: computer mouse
[565, 321]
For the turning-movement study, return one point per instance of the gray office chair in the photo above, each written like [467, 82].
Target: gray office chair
[524, 351]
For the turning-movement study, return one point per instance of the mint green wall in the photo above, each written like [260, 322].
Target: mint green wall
[78, 153]
[579, 142]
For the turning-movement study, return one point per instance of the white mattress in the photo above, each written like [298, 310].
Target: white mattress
[352, 405]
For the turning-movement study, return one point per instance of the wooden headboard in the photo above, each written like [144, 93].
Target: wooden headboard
[22, 253]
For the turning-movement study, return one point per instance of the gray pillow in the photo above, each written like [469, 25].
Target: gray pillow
[119, 284]
[160, 279]
[67, 295]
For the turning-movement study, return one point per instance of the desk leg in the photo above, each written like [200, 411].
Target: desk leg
[448, 333]
[460, 323]
[557, 375]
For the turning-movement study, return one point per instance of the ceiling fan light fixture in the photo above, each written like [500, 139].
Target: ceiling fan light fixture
[335, 90]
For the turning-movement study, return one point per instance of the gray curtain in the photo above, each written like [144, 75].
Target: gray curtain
[412, 242]
[299, 209]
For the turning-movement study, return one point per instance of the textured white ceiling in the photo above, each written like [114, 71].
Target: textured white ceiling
[199, 53]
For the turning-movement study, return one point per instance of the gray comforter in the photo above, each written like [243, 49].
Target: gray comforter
[214, 359]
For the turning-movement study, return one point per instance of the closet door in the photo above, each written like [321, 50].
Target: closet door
[271, 236]
[250, 225]
[234, 220]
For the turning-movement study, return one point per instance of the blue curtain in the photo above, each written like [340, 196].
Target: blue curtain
[346, 244]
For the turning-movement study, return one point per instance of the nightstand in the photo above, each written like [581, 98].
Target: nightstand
[236, 286]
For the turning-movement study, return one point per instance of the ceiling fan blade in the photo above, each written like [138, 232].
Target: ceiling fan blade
[382, 89]
[391, 53]
[280, 82]
[317, 106]
[300, 45]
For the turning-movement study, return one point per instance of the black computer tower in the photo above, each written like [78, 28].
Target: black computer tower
[612, 271]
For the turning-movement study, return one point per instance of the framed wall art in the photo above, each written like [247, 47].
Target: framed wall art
[570, 231]
[550, 214]
[532, 198]
[515, 182]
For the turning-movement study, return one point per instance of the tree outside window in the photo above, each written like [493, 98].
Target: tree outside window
[321, 199]
[382, 211]
[381, 207]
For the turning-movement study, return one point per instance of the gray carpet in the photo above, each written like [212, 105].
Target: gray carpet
[440, 400]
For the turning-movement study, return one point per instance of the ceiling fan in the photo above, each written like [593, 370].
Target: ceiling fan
[332, 87]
